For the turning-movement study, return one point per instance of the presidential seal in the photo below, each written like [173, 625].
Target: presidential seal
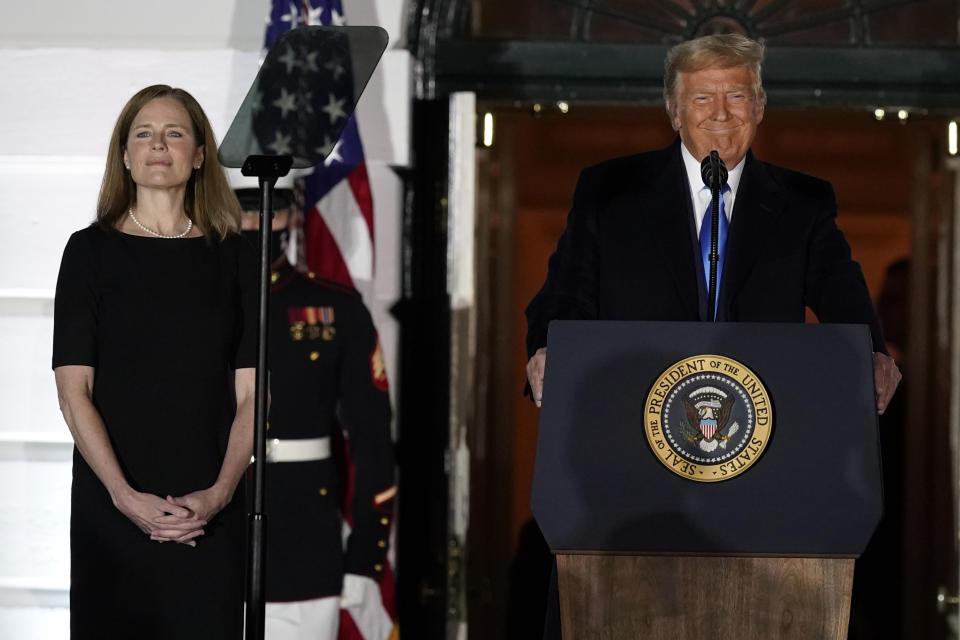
[708, 418]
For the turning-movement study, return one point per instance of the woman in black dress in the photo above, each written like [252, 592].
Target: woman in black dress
[154, 348]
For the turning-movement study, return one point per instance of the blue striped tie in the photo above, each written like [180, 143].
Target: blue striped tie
[705, 230]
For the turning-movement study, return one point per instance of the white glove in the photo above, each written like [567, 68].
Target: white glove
[354, 589]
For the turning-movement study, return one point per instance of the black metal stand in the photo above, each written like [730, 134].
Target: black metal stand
[714, 251]
[267, 169]
[714, 174]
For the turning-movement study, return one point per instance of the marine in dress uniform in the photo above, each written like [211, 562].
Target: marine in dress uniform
[326, 373]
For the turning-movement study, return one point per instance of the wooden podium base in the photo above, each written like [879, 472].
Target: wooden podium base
[722, 598]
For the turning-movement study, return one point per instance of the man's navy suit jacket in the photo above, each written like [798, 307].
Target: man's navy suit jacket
[630, 251]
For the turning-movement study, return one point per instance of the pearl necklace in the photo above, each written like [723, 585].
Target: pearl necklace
[160, 235]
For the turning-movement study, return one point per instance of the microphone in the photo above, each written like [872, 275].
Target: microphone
[713, 171]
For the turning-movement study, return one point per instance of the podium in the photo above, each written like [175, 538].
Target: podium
[707, 479]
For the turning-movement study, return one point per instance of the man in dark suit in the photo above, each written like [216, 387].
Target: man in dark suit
[634, 245]
[637, 235]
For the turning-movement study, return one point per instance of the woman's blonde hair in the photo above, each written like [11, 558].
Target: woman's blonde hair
[209, 201]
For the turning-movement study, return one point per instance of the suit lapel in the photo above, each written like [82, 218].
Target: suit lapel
[668, 200]
[755, 212]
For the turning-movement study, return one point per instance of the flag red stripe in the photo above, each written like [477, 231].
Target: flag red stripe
[348, 628]
[323, 253]
[359, 183]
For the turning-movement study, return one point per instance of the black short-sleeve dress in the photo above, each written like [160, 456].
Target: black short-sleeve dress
[164, 322]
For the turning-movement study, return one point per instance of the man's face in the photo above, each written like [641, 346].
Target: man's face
[717, 109]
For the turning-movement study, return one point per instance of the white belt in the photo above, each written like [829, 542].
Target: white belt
[300, 450]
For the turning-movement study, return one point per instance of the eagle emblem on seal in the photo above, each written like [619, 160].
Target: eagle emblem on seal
[708, 418]
[709, 409]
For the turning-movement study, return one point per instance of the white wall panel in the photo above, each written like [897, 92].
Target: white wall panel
[388, 14]
[35, 623]
[28, 395]
[173, 24]
[183, 24]
[383, 112]
[35, 549]
[36, 517]
[46, 199]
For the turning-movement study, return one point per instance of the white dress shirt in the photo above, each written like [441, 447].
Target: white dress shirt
[700, 193]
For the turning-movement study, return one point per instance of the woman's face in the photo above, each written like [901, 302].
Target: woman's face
[161, 151]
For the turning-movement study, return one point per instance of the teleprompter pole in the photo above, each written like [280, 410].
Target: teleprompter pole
[267, 169]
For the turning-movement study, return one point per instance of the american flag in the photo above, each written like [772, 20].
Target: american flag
[338, 206]
[338, 245]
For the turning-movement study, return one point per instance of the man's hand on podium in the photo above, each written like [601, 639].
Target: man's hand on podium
[535, 368]
[886, 377]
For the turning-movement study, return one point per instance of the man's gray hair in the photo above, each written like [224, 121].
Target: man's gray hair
[717, 51]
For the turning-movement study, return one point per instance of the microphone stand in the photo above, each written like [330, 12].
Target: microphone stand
[714, 249]
[267, 169]
[714, 174]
